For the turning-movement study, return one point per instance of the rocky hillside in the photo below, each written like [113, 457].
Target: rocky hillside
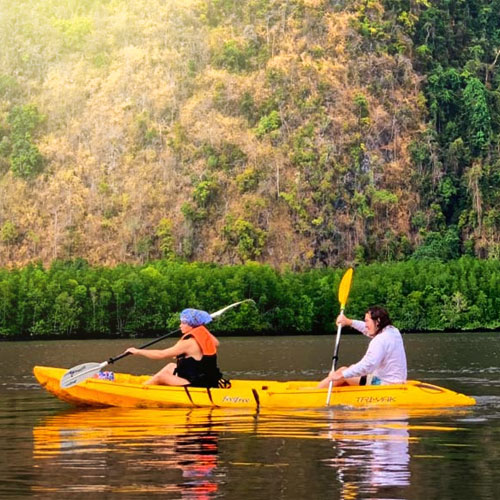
[300, 133]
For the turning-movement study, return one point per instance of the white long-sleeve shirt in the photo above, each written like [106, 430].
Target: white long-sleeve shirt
[385, 357]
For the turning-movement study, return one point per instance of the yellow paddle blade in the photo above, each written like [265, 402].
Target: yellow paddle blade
[345, 286]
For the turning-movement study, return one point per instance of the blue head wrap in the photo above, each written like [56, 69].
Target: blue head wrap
[195, 317]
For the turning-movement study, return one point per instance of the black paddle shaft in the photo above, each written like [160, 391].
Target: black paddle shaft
[125, 354]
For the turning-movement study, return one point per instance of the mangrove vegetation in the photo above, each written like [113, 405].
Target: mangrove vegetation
[73, 299]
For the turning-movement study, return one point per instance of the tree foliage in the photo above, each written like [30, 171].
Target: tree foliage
[73, 299]
[25, 157]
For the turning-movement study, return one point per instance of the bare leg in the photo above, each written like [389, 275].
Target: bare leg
[166, 377]
[337, 383]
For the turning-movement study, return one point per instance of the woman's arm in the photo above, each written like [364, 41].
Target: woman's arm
[171, 352]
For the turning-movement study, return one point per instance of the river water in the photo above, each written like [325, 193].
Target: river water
[50, 450]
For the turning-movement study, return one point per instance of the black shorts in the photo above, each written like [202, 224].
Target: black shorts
[369, 380]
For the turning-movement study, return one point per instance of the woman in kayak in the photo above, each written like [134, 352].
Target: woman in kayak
[385, 359]
[196, 354]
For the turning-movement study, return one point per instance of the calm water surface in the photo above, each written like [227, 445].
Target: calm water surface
[50, 450]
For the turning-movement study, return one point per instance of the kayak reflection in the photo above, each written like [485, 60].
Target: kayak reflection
[178, 451]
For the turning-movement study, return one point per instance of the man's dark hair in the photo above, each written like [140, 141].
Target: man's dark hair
[380, 316]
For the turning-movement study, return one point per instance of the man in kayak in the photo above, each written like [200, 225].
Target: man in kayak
[385, 359]
[196, 354]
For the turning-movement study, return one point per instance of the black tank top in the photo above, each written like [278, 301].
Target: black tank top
[202, 373]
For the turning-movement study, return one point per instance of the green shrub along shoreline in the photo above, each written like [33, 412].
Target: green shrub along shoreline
[75, 300]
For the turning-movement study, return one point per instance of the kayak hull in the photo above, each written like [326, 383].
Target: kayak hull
[128, 391]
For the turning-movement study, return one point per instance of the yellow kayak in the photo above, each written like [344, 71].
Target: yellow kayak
[128, 391]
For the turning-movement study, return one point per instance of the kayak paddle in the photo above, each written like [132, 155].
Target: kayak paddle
[79, 373]
[344, 288]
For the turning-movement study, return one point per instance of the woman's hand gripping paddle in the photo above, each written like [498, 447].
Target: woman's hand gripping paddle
[344, 288]
[78, 374]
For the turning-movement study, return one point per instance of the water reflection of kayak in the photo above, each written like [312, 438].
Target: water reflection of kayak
[193, 452]
[80, 428]
[128, 391]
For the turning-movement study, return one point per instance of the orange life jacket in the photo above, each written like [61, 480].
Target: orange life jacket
[204, 340]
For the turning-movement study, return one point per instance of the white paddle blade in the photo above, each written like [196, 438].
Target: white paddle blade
[80, 373]
[220, 312]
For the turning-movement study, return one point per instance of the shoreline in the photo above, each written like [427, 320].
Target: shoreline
[55, 337]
